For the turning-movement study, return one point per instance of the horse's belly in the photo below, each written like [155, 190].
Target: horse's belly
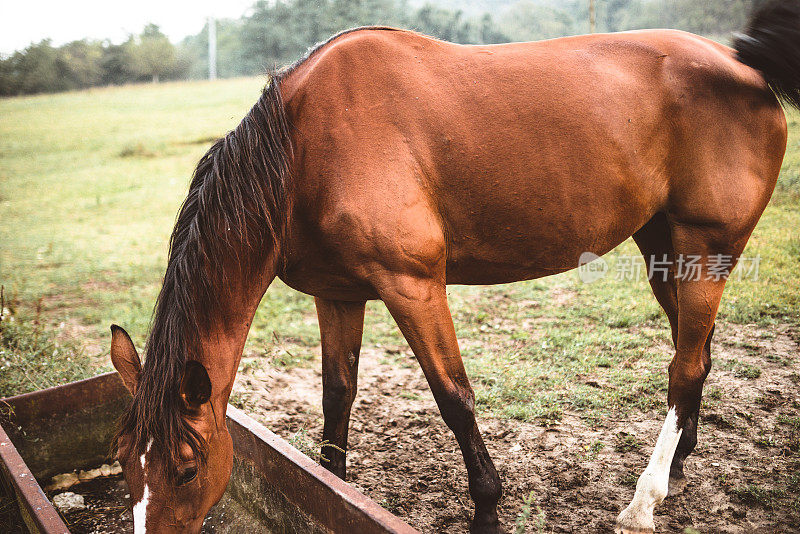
[535, 212]
[510, 254]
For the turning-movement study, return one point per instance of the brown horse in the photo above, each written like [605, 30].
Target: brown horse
[386, 164]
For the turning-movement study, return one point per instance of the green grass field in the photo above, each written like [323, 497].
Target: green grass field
[90, 183]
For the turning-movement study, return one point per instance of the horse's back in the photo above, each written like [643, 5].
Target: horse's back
[514, 159]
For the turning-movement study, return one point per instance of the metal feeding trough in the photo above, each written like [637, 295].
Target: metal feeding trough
[274, 487]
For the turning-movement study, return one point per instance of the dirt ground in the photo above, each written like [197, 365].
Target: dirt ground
[577, 475]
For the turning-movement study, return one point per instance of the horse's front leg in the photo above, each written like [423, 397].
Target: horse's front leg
[420, 308]
[341, 325]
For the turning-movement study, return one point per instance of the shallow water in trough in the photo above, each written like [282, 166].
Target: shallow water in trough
[107, 511]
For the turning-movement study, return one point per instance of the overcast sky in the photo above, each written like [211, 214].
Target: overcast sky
[25, 21]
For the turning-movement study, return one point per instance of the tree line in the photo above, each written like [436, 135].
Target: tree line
[278, 32]
[43, 68]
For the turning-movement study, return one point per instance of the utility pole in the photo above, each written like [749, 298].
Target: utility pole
[591, 16]
[212, 48]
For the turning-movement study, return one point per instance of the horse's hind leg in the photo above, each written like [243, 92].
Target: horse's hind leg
[698, 296]
[688, 441]
[341, 325]
[420, 308]
[655, 242]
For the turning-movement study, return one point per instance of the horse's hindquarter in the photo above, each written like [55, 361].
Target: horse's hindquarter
[510, 159]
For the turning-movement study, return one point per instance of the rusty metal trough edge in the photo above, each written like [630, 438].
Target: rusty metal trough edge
[312, 488]
[35, 508]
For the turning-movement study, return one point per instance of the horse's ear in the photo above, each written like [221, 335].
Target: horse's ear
[124, 358]
[196, 385]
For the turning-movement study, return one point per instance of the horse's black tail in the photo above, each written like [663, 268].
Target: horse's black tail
[771, 44]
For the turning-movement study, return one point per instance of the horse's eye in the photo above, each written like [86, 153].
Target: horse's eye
[187, 475]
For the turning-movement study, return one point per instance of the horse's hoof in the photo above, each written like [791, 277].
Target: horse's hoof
[634, 521]
[486, 528]
[619, 529]
[676, 486]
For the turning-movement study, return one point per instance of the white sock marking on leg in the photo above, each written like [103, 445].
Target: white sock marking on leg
[653, 484]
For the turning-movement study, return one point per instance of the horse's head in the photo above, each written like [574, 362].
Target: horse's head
[173, 486]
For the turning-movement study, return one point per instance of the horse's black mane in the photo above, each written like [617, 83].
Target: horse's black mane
[232, 220]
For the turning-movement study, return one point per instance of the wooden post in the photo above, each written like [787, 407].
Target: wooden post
[212, 48]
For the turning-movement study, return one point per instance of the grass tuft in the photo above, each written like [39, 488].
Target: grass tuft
[627, 442]
[755, 494]
[540, 519]
[31, 359]
[138, 150]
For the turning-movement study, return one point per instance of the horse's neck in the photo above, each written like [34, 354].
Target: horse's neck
[223, 343]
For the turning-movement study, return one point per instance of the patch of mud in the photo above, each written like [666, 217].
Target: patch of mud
[744, 476]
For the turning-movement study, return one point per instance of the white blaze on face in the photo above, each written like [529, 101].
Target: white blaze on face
[140, 508]
[653, 485]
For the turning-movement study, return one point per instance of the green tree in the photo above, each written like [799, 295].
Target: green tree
[153, 55]
[344, 14]
[231, 60]
[489, 32]
[7, 80]
[617, 15]
[274, 35]
[36, 69]
[448, 25]
[529, 21]
[80, 64]
[115, 64]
